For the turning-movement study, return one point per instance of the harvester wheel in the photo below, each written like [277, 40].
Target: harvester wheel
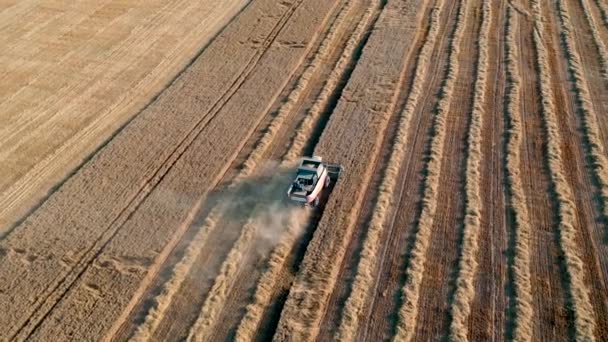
[327, 181]
[315, 203]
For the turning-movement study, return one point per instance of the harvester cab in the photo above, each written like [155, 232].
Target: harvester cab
[312, 176]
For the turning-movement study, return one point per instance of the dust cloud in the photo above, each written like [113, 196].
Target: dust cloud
[261, 200]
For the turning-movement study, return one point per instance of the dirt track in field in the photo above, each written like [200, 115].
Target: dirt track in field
[472, 204]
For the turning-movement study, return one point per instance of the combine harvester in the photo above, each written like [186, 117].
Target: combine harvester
[312, 176]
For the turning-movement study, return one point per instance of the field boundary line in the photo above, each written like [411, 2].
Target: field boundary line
[467, 266]
[408, 312]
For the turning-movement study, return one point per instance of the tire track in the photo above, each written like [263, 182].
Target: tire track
[468, 265]
[368, 258]
[59, 288]
[521, 260]
[408, 312]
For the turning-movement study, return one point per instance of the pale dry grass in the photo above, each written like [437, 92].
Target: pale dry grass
[524, 313]
[369, 253]
[467, 266]
[408, 312]
[85, 68]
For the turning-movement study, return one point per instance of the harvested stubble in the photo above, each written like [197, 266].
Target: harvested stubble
[406, 324]
[369, 253]
[467, 267]
[521, 260]
[61, 103]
